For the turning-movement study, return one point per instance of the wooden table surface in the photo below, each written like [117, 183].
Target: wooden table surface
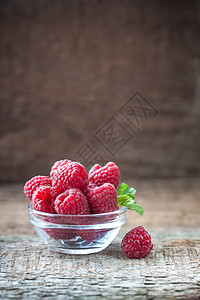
[29, 270]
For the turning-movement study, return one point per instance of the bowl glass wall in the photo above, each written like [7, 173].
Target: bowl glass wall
[77, 234]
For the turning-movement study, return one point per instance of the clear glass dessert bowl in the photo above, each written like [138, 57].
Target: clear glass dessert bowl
[77, 234]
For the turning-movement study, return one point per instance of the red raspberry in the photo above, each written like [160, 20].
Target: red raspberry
[89, 187]
[107, 174]
[102, 199]
[92, 235]
[34, 183]
[60, 234]
[43, 199]
[72, 202]
[70, 175]
[58, 164]
[137, 243]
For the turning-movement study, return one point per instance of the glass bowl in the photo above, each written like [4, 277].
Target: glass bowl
[77, 234]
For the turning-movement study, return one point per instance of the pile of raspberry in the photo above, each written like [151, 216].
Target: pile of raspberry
[69, 190]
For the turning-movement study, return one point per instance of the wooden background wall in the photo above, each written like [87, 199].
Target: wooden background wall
[68, 66]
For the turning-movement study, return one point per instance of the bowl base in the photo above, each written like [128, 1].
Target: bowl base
[87, 234]
[80, 246]
[77, 251]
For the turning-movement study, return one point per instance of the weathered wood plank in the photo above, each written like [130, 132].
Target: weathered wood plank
[29, 270]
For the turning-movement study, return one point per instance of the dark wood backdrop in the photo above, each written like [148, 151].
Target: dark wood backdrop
[68, 66]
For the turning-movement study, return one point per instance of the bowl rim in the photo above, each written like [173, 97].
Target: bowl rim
[121, 210]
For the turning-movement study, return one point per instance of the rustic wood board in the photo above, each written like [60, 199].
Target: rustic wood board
[29, 270]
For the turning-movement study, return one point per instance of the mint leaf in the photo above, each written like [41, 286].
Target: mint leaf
[127, 201]
[126, 196]
[124, 189]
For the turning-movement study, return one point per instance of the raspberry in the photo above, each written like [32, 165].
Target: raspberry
[34, 183]
[58, 164]
[43, 199]
[72, 202]
[92, 235]
[137, 243]
[89, 187]
[102, 199]
[107, 174]
[70, 175]
[60, 234]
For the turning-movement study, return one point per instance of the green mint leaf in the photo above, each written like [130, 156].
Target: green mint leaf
[126, 196]
[130, 195]
[124, 189]
[128, 201]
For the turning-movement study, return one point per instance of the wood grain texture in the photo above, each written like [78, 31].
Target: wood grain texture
[67, 66]
[29, 270]
[172, 270]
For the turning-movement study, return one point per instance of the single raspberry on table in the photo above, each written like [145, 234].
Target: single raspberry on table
[102, 199]
[137, 243]
[34, 183]
[58, 164]
[43, 199]
[70, 175]
[72, 202]
[107, 174]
